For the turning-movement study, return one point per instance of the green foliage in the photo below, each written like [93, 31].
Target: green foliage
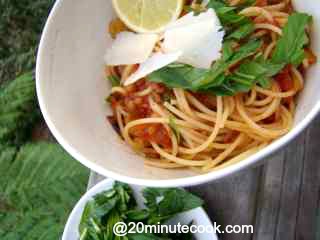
[40, 183]
[21, 22]
[173, 201]
[289, 48]
[236, 26]
[253, 70]
[30, 167]
[118, 205]
[114, 80]
[242, 32]
[18, 109]
[105, 210]
[195, 79]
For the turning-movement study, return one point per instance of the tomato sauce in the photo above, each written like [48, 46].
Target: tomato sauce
[285, 80]
[261, 3]
[138, 107]
[153, 133]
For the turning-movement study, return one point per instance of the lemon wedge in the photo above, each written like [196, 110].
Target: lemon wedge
[148, 16]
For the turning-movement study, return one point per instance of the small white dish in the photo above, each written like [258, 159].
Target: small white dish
[197, 215]
[71, 90]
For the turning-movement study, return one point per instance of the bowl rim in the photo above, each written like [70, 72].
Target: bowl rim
[84, 198]
[177, 182]
[98, 188]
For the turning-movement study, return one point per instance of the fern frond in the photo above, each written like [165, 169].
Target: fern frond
[42, 184]
[7, 155]
[45, 210]
[18, 109]
[20, 27]
[39, 164]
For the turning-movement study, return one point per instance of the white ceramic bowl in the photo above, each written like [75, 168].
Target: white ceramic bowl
[71, 90]
[197, 215]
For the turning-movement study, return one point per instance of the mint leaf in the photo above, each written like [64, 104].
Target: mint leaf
[137, 215]
[252, 72]
[289, 48]
[114, 80]
[105, 210]
[227, 50]
[165, 203]
[224, 90]
[227, 15]
[177, 77]
[242, 32]
[195, 79]
[262, 69]
[236, 26]
[245, 51]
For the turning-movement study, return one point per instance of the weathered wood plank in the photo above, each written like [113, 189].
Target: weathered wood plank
[277, 207]
[94, 179]
[306, 227]
[232, 200]
[269, 198]
[290, 192]
[295, 193]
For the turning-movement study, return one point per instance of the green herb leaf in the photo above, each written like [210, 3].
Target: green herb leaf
[224, 90]
[236, 26]
[242, 32]
[245, 51]
[289, 48]
[114, 80]
[259, 71]
[151, 195]
[166, 203]
[227, 15]
[195, 79]
[137, 215]
[227, 50]
[105, 210]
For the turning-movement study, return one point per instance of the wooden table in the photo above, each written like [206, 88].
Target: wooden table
[281, 199]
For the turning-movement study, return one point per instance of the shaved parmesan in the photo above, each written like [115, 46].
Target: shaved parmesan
[199, 38]
[155, 62]
[194, 40]
[191, 19]
[130, 48]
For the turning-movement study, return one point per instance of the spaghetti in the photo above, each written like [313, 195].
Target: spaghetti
[177, 128]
